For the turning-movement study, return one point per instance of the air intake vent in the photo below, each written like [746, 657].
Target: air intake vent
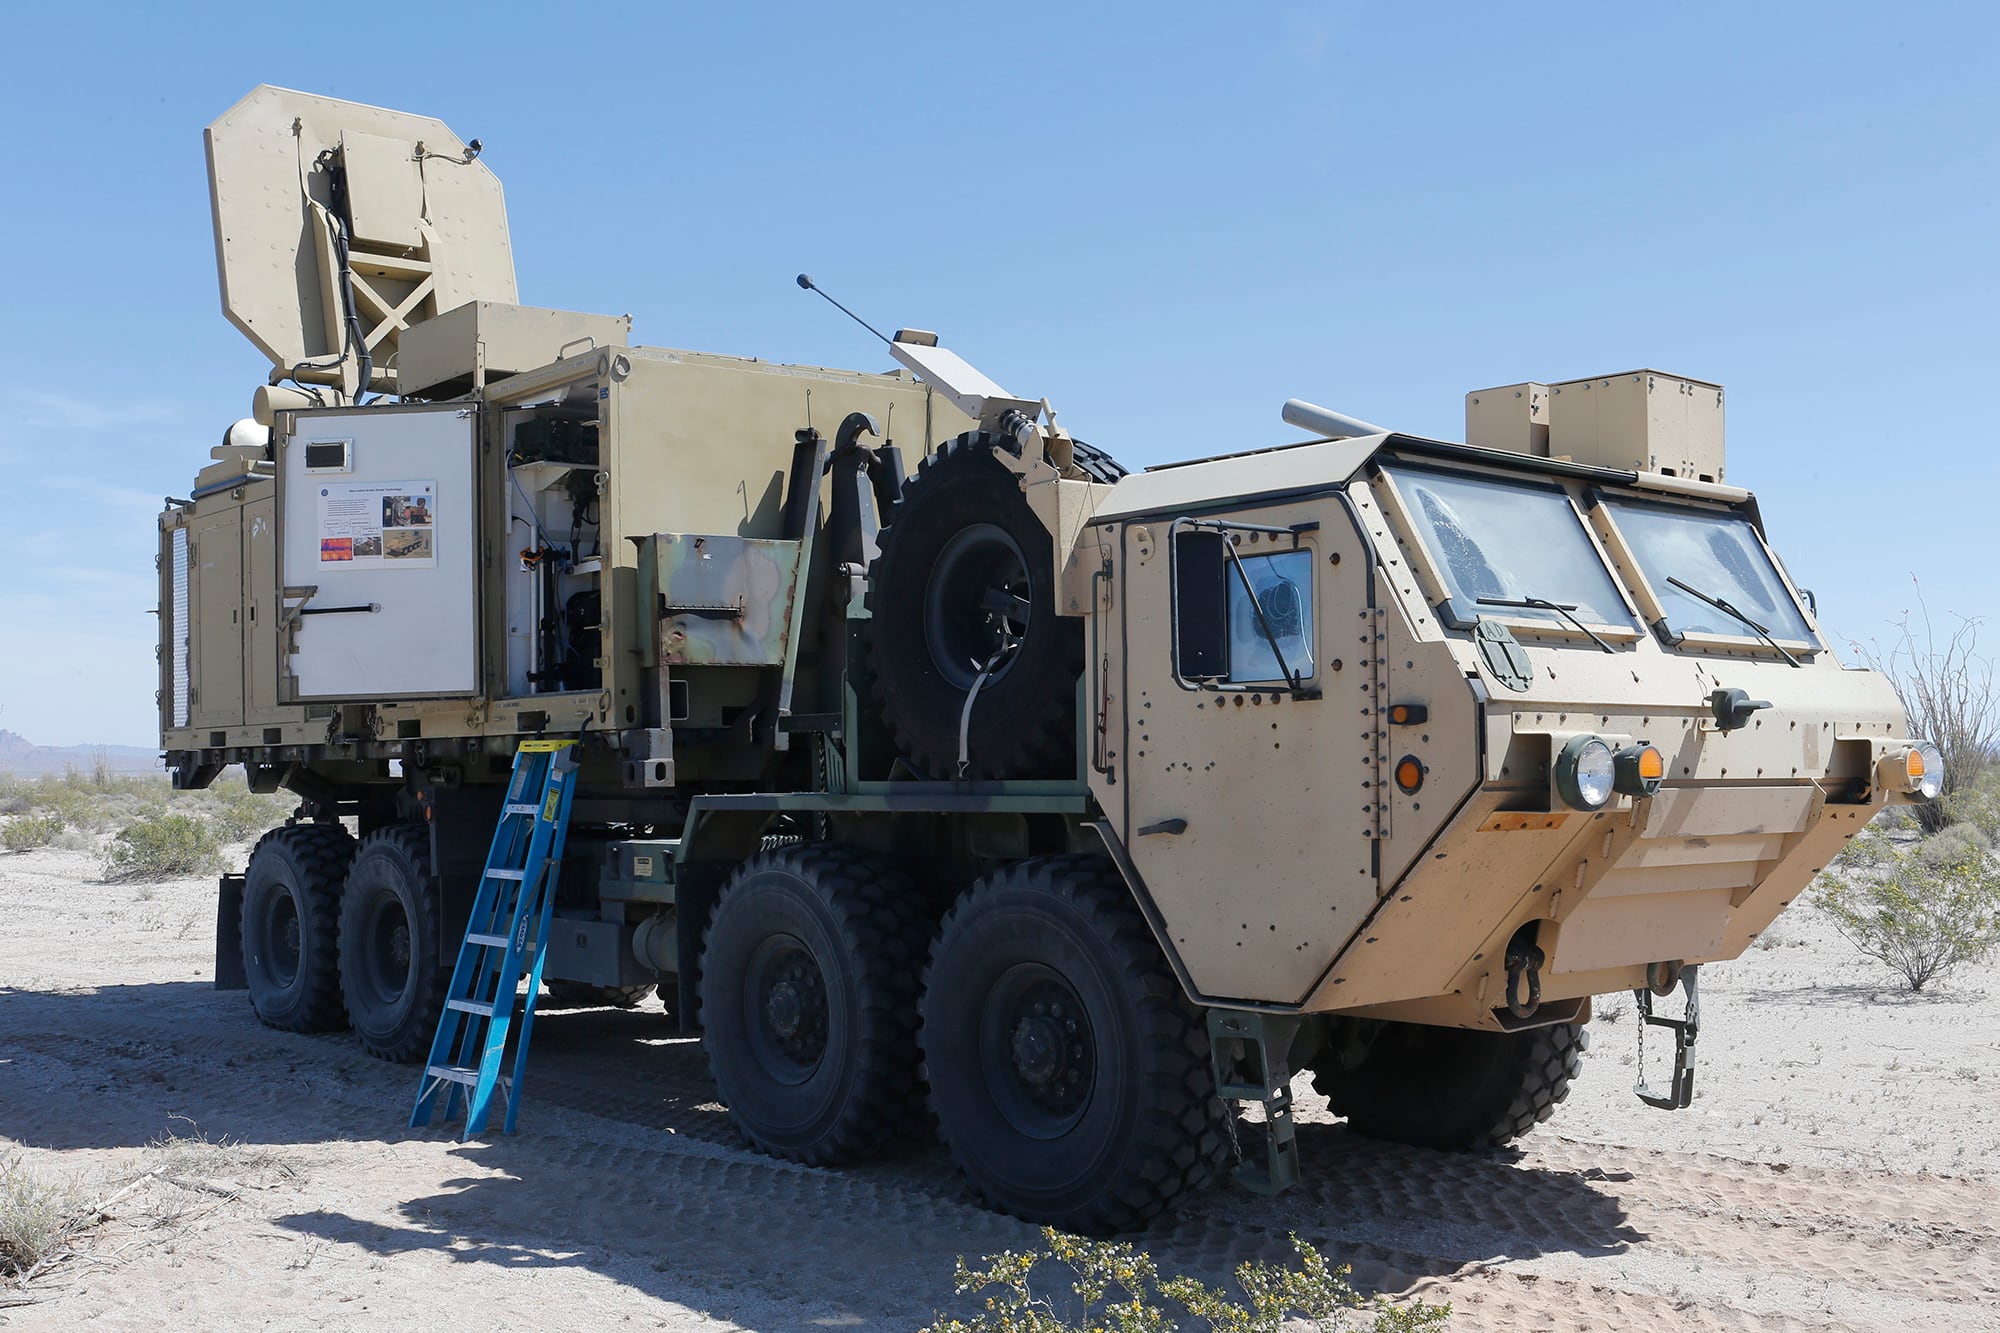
[177, 627]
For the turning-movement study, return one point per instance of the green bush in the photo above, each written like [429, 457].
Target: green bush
[27, 832]
[163, 847]
[1097, 1269]
[1928, 912]
[1977, 806]
[240, 814]
[1867, 850]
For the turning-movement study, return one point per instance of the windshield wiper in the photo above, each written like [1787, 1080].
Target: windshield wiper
[1727, 609]
[1544, 604]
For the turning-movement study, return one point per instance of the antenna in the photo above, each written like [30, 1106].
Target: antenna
[805, 281]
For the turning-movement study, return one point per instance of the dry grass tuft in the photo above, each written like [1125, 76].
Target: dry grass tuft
[34, 1215]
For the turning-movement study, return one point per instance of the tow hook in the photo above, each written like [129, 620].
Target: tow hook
[1524, 959]
[1680, 1092]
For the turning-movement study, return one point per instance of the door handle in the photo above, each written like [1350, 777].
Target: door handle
[1164, 826]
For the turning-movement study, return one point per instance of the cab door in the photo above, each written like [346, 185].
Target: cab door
[1249, 662]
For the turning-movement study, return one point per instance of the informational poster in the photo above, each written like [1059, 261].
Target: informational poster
[380, 524]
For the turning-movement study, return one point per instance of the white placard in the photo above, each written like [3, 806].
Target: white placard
[378, 524]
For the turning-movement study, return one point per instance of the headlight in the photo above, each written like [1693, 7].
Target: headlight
[1640, 769]
[1924, 768]
[1586, 772]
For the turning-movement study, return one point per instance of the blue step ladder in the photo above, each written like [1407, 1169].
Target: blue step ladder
[505, 941]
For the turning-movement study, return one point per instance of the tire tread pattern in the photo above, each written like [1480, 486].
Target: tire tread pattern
[1180, 1139]
[880, 923]
[320, 853]
[1528, 1076]
[415, 841]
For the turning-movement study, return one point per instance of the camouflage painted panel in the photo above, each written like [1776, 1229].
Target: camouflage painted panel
[725, 601]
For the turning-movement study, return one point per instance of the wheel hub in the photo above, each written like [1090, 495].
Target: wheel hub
[784, 1009]
[976, 599]
[287, 937]
[387, 969]
[788, 998]
[1040, 1050]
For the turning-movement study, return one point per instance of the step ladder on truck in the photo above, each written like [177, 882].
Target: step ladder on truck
[505, 942]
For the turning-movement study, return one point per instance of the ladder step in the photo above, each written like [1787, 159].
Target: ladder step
[524, 855]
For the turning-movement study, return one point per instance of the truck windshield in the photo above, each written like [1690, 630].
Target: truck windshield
[1514, 541]
[1717, 552]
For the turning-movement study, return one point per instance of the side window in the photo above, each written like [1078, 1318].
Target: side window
[1277, 626]
[1240, 619]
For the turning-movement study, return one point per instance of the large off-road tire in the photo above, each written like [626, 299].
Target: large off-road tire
[808, 1001]
[391, 921]
[963, 558]
[291, 908]
[1453, 1088]
[1069, 1073]
[584, 995]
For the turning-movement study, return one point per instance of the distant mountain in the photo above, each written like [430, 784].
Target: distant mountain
[20, 755]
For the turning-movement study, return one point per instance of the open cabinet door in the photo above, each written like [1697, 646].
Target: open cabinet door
[379, 534]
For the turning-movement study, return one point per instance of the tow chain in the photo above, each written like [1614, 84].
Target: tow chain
[1679, 1093]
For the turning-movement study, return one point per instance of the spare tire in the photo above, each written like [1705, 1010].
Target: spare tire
[963, 565]
[1095, 463]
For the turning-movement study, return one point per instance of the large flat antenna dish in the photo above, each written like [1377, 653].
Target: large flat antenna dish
[295, 180]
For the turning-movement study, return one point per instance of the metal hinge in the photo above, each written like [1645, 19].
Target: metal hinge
[1375, 721]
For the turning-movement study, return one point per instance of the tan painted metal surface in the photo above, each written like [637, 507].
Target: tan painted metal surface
[1307, 875]
[430, 226]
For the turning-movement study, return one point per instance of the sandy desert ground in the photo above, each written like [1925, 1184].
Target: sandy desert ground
[1840, 1169]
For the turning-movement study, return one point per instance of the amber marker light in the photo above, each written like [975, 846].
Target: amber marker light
[1638, 770]
[1409, 774]
[1924, 765]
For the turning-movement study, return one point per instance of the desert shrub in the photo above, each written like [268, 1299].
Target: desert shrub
[1956, 842]
[26, 832]
[35, 1215]
[1100, 1270]
[1946, 687]
[88, 803]
[240, 815]
[1867, 850]
[1977, 806]
[163, 847]
[1926, 913]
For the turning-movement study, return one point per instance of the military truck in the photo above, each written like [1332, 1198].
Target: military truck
[935, 770]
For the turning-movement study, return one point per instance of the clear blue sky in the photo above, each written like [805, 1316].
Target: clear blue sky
[1167, 218]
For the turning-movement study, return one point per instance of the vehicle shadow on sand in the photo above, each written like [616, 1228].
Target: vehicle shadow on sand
[111, 1066]
[653, 1188]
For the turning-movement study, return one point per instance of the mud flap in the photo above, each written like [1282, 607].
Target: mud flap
[229, 974]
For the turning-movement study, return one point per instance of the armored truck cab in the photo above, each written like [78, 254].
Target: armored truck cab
[1487, 702]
